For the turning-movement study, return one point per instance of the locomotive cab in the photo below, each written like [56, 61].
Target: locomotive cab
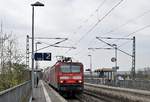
[70, 77]
[66, 76]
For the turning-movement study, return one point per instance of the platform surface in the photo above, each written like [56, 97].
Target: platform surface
[38, 93]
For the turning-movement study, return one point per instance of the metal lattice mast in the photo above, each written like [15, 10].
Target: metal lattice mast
[133, 59]
[27, 52]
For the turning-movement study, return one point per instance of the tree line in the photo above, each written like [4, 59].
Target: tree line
[12, 67]
[143, 73]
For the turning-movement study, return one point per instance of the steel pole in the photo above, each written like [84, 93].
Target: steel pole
[116, 56]
[27, 52]
[91, 65]
[36, 63]
[116, 64]
[32, 51]
[133, 60]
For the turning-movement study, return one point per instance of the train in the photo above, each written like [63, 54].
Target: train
[65, 76]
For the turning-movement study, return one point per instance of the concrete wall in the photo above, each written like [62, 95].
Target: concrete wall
[19, 93]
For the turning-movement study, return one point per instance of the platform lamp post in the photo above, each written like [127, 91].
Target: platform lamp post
[33, 5]
[36, 64]
[90, 65]
[115, 47]
[114, 59]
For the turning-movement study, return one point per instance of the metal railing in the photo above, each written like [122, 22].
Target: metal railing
[133, 84]
[19, 93]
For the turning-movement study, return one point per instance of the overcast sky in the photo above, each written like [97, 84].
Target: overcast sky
[73, 19]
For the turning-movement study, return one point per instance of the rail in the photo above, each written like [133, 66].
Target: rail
[116, 94]
[19, 93]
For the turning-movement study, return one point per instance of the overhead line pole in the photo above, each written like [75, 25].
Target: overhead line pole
[133, 52]
[133, 60]
[27, 52]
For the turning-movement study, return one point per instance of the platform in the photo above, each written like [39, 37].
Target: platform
[39, 94]
[44, 93]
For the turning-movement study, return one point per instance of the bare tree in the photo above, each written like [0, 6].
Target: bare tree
[12, 68]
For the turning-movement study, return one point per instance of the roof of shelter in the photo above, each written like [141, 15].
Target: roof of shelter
[103, 69]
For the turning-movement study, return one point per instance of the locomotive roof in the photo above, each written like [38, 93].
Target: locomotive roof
[68, 63]
[57, 63]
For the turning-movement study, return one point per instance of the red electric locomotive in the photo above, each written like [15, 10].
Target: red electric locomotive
[66, 76]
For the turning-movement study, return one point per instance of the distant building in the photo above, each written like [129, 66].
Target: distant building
[104, 73]
[123, 74]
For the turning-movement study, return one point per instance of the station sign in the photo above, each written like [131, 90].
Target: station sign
[42, 56]
[47, 56]
[113, 59]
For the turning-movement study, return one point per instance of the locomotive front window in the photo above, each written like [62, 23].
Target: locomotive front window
[65, 69]
[70, 68]
[75, 69]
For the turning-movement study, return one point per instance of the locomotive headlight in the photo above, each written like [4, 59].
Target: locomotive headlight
[64, 77]
[77, 77]
[61, 81]
[80, 81]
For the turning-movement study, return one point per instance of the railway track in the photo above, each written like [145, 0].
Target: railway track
[87, 97]
[115, 94]
[97, 93]
[73, 100]
[90, 97]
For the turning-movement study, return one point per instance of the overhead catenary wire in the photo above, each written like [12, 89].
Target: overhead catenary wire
[124, 24]
[128, 21]
[113, 46]
[50, 45]
[54, 45]
[138, 30]
[91, 15]
[147, 26]
[91, 29]
[58, 38]
[99, 21]
[85, 21]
